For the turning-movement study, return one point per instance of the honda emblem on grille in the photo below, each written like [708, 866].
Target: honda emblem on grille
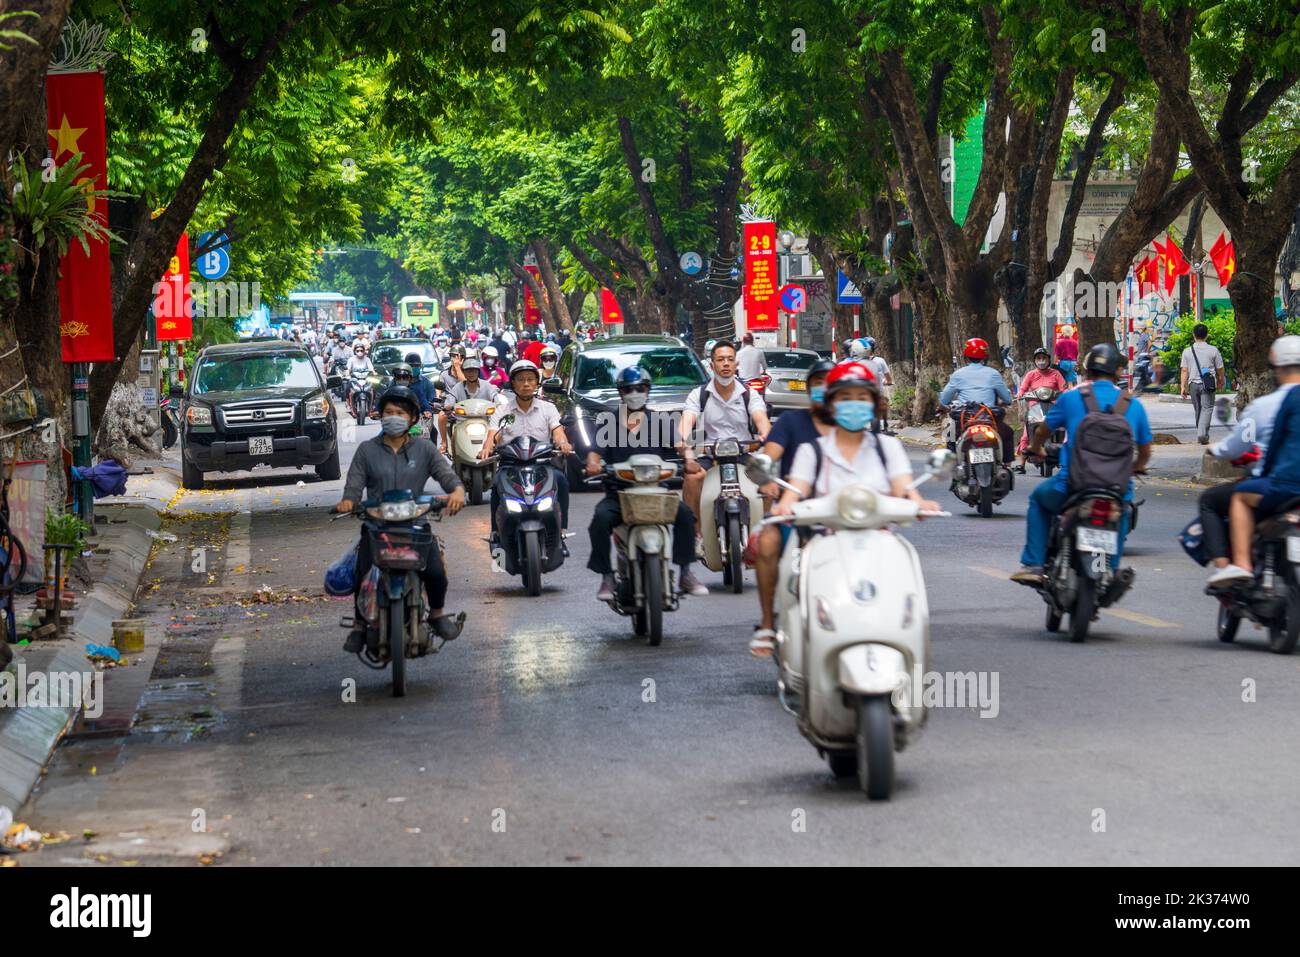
[259, 414]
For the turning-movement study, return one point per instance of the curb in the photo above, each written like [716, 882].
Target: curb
[29, 735]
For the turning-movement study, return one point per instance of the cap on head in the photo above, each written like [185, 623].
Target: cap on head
[1285, 351]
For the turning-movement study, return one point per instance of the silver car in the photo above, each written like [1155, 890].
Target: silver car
[788, 369]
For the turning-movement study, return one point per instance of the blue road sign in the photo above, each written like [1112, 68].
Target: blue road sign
[215, 263]
[793, 298]
[847, 294]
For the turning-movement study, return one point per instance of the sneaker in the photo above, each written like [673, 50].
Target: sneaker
[688, 584]
[1203, 439]
[355, 642]
[606, 592]
[1227, 576]
[1029, 575]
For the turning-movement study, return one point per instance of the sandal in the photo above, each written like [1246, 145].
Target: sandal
[763, 643]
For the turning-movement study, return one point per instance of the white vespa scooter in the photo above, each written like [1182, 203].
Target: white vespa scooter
[853, 625]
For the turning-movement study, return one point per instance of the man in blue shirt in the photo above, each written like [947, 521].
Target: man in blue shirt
[1102, 364]
[979, 384]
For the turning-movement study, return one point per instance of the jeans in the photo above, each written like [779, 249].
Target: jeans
[1067, 371]
[1203, 406]
[1213, 507]
[608, 514]
[561, 495]
[1044, 505]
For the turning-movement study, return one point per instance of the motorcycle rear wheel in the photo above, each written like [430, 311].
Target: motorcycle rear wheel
[1226, 627]
[1085, 603]
[1053, 619]
[986, 501]
[875, 751]
[1282, 635]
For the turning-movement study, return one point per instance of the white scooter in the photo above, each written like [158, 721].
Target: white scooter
[469, 430]
[730, 507]
[853, 625]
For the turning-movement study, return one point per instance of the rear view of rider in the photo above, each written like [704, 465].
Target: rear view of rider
[395, 460]
[982, 385]
[638, 431]
[1102, 363]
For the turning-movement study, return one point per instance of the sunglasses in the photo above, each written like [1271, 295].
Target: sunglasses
[634, 388]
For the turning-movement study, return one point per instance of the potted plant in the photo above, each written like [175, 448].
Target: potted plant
[62, 529]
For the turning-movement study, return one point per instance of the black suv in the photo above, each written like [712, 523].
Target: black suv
[252, 403]
[584, 387]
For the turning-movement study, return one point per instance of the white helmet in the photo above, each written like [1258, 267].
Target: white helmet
[858, 350]
[523, 365]
[549, 350]
[490, 352]
[1285, 351]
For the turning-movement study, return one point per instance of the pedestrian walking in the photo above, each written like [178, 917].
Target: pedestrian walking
[1201, 376]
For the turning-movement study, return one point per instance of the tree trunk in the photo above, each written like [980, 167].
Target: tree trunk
[559, 307]
[23, 66]
[930, 342]
[1251, 291]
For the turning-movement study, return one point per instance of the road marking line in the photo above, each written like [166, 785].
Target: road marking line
[1134, 616]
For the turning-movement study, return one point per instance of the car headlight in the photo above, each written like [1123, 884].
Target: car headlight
[856, 504]
[317, 408]
[726, 448]
[199, 415]
[545, 504]
[476, 430]
[514, 505]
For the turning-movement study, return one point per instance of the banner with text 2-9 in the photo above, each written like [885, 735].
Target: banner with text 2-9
[76, 132]
[173, 309]
[532, 312]
[760, 276]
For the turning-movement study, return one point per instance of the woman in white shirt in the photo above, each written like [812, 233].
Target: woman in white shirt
[854, 452]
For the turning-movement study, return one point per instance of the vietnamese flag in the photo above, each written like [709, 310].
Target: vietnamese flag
[1175, 264]
[75, 109]
[610, 313]
[1224, 257]
[173, 308]
[1143, 273]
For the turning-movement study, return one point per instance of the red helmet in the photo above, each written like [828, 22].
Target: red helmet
[976, 349]
[848, 374]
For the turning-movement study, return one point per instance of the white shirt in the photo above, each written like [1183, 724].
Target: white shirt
[359, 364]
[1256, 419]
[880, 367]
[537, 423]
[750, 363]
[722, 418]
[865, 469]
[484, 390]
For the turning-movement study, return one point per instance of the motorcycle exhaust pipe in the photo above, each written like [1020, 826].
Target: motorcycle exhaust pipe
[1123, 581]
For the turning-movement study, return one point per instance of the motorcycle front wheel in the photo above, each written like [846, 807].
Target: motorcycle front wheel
[532, 564]
[654, 603]
[397, 647]
[475, 486]
[1085, 603]
[875, 751]
[734, 555]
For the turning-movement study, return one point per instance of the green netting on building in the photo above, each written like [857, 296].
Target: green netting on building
[968, 157]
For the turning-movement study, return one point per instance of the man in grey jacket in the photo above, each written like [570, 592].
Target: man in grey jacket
[395, 460]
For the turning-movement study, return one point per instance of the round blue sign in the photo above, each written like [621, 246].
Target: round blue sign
[215, 263]
[793, 298]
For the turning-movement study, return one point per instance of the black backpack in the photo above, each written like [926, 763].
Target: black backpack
[704, 400]
[1101, 449]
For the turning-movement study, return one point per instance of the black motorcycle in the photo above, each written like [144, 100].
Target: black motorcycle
[1272, 597]
[527, 522]
[981, 480]
[1079, 578]
[391, 603]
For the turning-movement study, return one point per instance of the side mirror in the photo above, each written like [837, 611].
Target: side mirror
[942, 462]
[553, 386]
[176, 392]
[761, 468]
[333, 382]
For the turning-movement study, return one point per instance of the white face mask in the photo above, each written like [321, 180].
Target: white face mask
[724, 381]
[635, 400]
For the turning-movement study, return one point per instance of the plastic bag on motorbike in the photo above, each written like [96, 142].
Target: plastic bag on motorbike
[341, 576]
[1192, 538]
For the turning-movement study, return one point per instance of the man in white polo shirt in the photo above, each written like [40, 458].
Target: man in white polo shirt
[723, 408]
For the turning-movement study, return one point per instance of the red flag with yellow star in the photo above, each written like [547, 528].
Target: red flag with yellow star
[1175, 264]
[1224, 258]
[76, 125]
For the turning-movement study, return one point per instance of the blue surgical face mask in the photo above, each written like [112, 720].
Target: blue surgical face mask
[395, 424]
[854, 415]
[817, 393]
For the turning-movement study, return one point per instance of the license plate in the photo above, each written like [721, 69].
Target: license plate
[1293, 549]
[1097, 540]
[980, 456]
[794, 385]
[261, 445]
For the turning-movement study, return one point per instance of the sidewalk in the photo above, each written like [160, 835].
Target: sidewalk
[123, 542]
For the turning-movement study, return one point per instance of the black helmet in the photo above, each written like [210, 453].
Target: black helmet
[1042, 351]
[820, 367]
[1103, 358]
[413, 360]
[403, 396]
[402, 369]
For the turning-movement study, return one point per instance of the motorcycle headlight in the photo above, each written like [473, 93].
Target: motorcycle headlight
[1044, 394]
[514, 505]
[856, 504]
[401, 511]
[317, 408]
[476, 430]
[545, 504]
[646, 473]
[199, 415]
[726, 448]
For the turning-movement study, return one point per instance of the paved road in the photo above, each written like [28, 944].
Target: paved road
[537, 718]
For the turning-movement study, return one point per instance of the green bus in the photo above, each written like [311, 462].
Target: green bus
[418, 311]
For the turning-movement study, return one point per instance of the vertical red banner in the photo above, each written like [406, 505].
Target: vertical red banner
[76, 125]
[532, 312]
[610, 313]
[760, 294]
[173, 308]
